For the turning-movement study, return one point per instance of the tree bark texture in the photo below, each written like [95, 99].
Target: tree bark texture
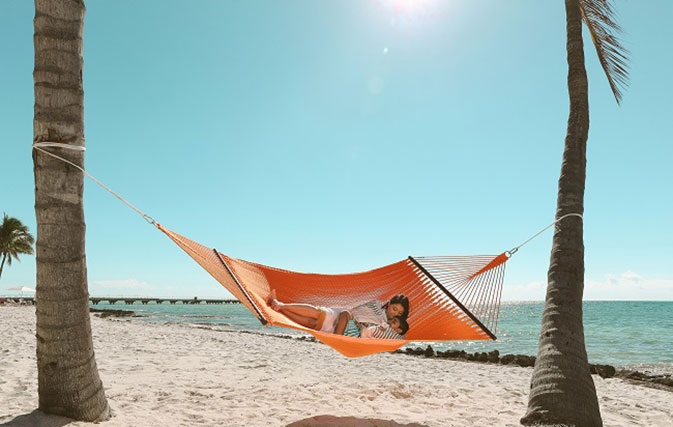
[2, 264]
[68, 380]
[562, 390]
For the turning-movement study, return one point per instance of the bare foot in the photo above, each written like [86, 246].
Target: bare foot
[270, 297]
[272, 302]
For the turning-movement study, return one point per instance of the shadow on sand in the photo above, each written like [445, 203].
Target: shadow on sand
[332, 421]
[37, 419]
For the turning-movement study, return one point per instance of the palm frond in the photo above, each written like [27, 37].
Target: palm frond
[15, 239]
[23, 247]
[599, 16]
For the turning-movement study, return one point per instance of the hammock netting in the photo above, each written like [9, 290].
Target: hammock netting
[450, 297]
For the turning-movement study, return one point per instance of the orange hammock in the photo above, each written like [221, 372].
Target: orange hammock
[450, 297]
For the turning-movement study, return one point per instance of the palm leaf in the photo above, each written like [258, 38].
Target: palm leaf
[23, 247]
[599, 16]
[15, 239]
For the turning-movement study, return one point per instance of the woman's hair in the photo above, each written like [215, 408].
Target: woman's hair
[403, 301]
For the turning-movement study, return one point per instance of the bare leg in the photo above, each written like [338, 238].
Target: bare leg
[305, 310]
[304, 321]
[344, 317]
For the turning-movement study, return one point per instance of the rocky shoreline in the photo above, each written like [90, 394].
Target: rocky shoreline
[662, 382]
[104, 313]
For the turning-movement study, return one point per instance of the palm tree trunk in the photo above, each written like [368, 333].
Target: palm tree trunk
[562, 390]
[68, 381]
[2, 265]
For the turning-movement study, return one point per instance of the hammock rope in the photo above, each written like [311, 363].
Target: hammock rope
[38, 146]
[451, 297]
[516, 248]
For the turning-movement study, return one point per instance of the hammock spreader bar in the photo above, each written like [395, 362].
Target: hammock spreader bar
[260, 316]
[450, 295]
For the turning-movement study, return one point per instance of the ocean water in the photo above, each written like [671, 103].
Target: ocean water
[626, 334]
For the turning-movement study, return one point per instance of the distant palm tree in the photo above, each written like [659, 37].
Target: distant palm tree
[562, 390]
[67, 374]
[14, 241]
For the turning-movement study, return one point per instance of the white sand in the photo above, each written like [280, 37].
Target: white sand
[177, 375]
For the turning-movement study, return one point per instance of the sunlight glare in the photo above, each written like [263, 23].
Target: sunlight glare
[408, 8]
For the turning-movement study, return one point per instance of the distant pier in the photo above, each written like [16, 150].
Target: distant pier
[141, 300]
[145, 300]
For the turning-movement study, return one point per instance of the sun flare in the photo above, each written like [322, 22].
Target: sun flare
[408, 7]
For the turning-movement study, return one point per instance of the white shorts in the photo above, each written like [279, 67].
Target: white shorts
[331, 318]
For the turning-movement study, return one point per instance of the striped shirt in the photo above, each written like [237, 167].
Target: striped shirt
[371, 320]
[380, 333]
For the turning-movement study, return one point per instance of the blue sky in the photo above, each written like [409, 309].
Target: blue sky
[341, 136]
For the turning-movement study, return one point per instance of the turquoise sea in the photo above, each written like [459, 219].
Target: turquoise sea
[626, 334]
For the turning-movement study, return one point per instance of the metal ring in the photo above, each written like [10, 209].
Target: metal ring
[149, 219]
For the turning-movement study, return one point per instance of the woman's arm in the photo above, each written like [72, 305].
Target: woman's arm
[369, 313]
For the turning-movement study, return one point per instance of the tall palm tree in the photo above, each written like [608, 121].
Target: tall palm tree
[14, 240]
[68, 381]
[562, 390]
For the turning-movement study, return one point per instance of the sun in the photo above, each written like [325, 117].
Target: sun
[407, 7]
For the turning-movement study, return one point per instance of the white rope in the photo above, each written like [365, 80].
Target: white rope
[59, 145]
[513, 251]
[38, 146]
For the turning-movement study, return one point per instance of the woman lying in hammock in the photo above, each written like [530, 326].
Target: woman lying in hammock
[334, 320]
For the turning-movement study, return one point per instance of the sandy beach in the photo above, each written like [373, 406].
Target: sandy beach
[180, 375]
